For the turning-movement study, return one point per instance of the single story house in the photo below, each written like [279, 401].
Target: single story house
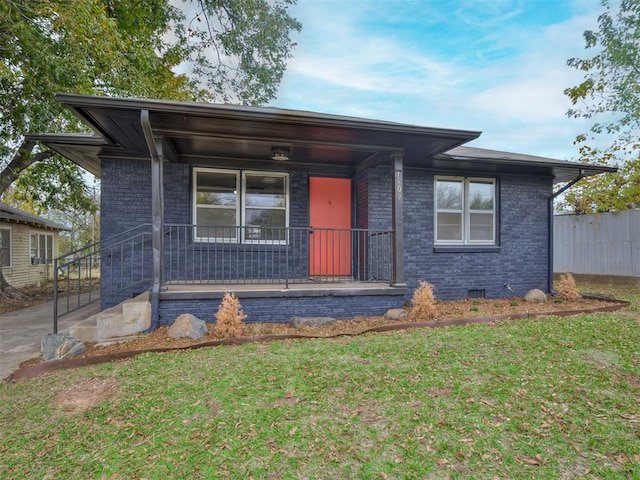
[301, 213]
[28, 245]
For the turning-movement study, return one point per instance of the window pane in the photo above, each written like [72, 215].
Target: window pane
[34, 248]
[481, 196]
[5, 247]
[481, 226]
[449, 226]
[265, 224]
[265, 191]
[49, 248]
[449, 195]
[216, 188]
[216, 222]
[43, 247]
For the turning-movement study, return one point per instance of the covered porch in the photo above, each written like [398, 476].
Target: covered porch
[178, 249]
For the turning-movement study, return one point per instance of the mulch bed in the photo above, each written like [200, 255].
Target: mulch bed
[460, 312]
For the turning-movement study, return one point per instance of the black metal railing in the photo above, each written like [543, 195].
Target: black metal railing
[112, 265]
[122, 266]
[254, 255]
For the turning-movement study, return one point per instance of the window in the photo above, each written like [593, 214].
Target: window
[227, 199]
[41, 248]
[5, 247]
[465, 211]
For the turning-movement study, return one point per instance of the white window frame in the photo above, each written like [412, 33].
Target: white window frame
[241, 207]
[10, 247]
[44, 260]
[222, 207]
[243, 190]
[466, 210]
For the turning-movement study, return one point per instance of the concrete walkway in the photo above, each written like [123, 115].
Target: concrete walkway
[22, 330]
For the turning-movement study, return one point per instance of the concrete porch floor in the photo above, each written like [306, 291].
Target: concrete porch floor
[203, 291]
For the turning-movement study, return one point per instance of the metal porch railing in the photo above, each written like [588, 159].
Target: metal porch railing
[113, 265]
[254, 255]
[196, 254]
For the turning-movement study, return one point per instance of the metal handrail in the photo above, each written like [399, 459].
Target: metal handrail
[103, 241]
[199, 254]
[88, 261]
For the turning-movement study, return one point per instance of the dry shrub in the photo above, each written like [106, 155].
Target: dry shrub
[229, 317]
[424, 305]
[567, 288]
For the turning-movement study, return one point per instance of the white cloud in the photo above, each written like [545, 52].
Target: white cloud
[508, 83]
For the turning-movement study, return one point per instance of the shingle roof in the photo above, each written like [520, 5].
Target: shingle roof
[15, 215]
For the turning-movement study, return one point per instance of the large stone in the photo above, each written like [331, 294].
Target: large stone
[56, 346]
[396, 314]
[535, 296]
[298, 322]
[187, 325]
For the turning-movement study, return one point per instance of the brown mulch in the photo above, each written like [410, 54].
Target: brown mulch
[461, 309]
[38, 294]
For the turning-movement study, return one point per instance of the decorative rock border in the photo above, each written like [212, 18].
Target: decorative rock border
[46, 367]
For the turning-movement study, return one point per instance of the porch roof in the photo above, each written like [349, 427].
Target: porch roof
[230, 135]
[240, 136]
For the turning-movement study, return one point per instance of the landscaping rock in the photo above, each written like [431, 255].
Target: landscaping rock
[297, 322]
[187, 325]
[56, 346]
[396, 314]
[535, 296]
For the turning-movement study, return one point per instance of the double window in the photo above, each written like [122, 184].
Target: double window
[41, 248]
[5, 247]
[240, 206]
[465, 211]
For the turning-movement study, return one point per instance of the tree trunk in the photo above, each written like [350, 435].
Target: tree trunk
[23, 159]
[8, 292]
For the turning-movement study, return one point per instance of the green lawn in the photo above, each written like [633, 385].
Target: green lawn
[546, 398]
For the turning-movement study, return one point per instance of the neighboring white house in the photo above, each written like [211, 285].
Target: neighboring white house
[28, 244]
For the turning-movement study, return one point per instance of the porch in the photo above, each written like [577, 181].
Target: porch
[294, 269]
[246, 178]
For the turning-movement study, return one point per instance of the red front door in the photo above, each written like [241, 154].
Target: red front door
[330, 219]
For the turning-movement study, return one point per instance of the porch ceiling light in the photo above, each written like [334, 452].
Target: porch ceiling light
[280, 153]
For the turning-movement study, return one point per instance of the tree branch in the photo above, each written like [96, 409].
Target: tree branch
[20, 161]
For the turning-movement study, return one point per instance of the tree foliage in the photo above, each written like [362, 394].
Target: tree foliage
[609, 94]
[228, 50]
[232, 51]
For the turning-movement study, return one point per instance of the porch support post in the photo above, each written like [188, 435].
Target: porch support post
[157, 215]
[397, 217]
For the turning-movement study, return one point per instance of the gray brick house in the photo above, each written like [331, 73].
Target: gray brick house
[302, 213]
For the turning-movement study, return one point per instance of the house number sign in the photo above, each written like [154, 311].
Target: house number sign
[399, 185]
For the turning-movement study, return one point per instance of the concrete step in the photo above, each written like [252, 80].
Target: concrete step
[127, 318]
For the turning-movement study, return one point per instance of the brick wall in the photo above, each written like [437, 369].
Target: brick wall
[521, 259]
[281, 309]
[126, 204]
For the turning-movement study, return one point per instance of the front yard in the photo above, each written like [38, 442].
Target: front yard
[545, 398]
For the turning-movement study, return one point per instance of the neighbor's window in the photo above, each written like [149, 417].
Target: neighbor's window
[465, 210]
[41, 248]
[232, 206]
[5, 247]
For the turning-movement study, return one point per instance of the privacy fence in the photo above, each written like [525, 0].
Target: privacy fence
[601, 244]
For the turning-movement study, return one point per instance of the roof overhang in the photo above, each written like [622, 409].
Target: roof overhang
[227, 135]
[204, 134]
[490, 162]
[14, 215]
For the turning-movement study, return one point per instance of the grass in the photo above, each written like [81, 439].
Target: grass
[546, 398]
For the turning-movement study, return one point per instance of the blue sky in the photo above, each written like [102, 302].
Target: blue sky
[498, 66]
